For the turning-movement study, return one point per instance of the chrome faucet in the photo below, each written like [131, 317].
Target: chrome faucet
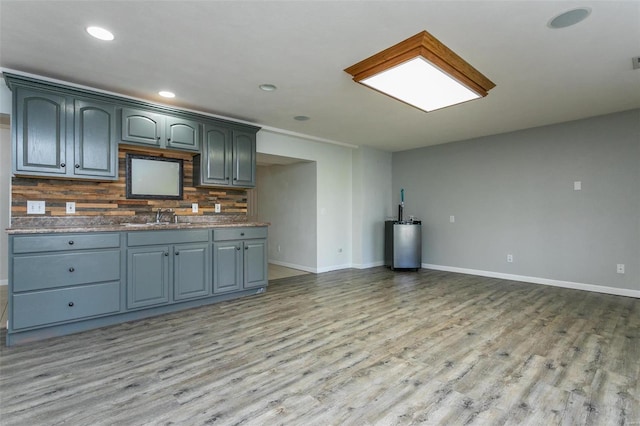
[159, 213]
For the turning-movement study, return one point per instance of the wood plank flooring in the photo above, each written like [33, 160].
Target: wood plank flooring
[354, 347]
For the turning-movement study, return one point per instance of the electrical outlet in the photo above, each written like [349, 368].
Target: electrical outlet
[278, 248]
[452, 219]
[35, 207]
[71, 207]
[510, 258]
[339, 250]
[577, 185]
[194, 207]
[620, 268]
[217, 208]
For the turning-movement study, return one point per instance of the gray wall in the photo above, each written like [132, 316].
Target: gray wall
[286, 197]
[514, 194]
[371, 205]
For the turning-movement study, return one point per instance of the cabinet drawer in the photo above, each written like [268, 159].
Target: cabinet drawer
[66, 304]
[40, 243]
[47, 271]
[147, 238]
[239, 233]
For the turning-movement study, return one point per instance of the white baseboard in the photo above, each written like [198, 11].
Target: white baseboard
[368, 265]
[333, 268]
[294, 266]
[536, 280]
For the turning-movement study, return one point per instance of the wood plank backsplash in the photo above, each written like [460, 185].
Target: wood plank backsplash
[109, 198]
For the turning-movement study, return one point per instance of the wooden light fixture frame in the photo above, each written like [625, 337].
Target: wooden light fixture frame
[425, 45]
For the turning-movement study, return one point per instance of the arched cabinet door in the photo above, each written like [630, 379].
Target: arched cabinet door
[95, 147]
[244, 161]
[40, 132]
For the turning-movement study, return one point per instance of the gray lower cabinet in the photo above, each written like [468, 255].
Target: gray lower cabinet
[142, 127]
[167, 266]
[61, 278]
[240, 256]
[62, 283]
[147, 276]
[59, 135]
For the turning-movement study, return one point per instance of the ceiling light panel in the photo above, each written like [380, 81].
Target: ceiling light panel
[422, 72]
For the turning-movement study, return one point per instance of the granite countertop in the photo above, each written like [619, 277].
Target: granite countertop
[110, 224]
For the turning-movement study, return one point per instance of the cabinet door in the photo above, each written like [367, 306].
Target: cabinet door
[244, 159]
[227, 270]
[142, 127]
[215, 167]
[183, 134]
[191, 271]
[147, 276]
[40, 132]
[255, 263]
[95, 147]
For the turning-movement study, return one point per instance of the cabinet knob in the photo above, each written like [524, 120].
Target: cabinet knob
[242, 234]
[158, 138]
[246, 247]
[71, 242]
[235, 178]
[62, 165]
[166, 254]
[70, 304]
[77, 166]
[72, 269]
[168, 139]
[237, 248]
[177, 253]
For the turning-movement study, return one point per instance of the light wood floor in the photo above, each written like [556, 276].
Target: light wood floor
[277, 272]
[354, 347]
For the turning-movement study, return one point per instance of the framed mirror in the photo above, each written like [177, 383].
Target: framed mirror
[153, 177]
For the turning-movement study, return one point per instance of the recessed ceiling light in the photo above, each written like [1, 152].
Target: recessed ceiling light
[267, 87]
[100, 33]
[569, 18]
[166, 94]
[301, 118]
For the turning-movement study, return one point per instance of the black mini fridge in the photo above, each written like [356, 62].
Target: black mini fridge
[403, 244]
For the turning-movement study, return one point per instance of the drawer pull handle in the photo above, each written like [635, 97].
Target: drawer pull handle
[71, 304]
[71, 242]
[72, 269]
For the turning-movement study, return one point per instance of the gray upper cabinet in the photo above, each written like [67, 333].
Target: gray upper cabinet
[244, 159]
[142, 127]
[228, 157]
[213, 166]
[40, 132]
[58, 135]
[95, 147]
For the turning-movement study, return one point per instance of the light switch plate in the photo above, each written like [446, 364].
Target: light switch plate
[217, 208]
[35, 207]
[194, 207]
[71, 207]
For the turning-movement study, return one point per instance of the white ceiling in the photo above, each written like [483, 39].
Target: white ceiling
[214, 54]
